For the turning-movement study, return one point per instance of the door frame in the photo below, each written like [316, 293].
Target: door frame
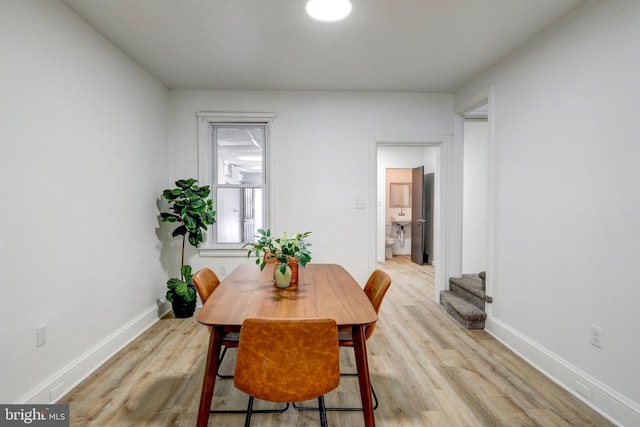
[463, 105]
[448, 222]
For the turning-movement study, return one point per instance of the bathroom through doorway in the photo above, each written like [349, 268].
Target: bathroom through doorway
[396, 166]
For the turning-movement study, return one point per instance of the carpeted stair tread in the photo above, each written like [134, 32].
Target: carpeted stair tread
[463, 311]
[464, 307]
[482, 275]
[471, 284]
[470, 280]
[465, 300]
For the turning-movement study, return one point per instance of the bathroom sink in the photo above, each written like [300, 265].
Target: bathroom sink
[401, 220]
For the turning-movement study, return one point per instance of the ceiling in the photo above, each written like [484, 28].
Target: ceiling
[384, 45]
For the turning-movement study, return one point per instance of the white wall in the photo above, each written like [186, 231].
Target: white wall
[322, 159]
[475, 223]
[83, 159]
[567, 211]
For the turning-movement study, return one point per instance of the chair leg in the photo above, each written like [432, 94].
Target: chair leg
[253, 411]
[375, 398]
[373, 391]
[247, 420]
[224, 352]
[311, 408]
[323, 412]
[241, 411]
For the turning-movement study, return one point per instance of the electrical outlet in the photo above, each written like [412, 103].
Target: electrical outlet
[597, 336]
[41, 335]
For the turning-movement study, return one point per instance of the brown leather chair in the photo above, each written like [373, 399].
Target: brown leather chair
[302, 363]
[206, 281]
[375, 289]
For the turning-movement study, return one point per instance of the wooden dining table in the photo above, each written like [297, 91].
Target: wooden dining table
[323, 291]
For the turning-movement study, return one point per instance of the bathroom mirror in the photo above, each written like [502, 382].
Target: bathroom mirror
[400, 194]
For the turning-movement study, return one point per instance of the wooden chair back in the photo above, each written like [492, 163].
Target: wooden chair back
[288, 360]
[205, 281]
[375, 289]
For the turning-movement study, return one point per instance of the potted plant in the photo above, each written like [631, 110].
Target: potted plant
[190, 208]
[287, 251]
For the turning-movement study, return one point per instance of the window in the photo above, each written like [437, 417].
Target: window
[234, 153]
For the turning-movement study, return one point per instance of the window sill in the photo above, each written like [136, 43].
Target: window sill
[223, 253]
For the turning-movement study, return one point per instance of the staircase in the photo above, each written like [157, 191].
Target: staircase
[465, 300]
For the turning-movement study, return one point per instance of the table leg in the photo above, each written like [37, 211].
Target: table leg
[209, 380]
[360, 350]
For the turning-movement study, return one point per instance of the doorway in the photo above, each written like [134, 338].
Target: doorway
[474, 122]
[475, 199]
[433, 155]
[396, 165]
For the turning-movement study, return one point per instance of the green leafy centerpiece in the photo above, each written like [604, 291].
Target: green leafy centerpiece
[287, 251]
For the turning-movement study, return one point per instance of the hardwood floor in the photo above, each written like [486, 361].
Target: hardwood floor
[427, 371]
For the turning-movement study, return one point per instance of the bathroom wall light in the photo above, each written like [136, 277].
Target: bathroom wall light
[328, 10]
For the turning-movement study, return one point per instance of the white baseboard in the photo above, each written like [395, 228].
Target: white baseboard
[611, 404]
[60, 383]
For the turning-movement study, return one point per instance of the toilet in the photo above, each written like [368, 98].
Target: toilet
[388, 247]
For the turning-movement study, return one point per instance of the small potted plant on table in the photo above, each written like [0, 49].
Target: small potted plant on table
[190, 208]
[287, 250]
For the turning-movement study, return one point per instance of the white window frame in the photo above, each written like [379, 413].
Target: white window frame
[206, 165]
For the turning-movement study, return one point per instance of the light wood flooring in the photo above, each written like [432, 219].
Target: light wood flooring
[427, 371]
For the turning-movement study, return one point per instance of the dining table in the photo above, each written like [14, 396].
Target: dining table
[323, 291]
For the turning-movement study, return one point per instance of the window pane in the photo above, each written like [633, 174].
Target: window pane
[229, 215]
[239, 214]
[238, 180]
[239, 154]
[253, 213]
[235, 166]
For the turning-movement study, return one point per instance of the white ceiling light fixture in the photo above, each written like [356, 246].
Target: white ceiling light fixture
[328, 10]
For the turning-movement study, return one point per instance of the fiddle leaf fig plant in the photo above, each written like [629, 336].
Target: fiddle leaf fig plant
[181, 288]
[192, 211]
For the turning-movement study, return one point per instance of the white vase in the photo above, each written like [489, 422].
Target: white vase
[282, 280]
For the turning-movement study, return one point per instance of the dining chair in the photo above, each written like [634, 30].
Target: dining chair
[206, 281]
[376, 287]
[302, 363]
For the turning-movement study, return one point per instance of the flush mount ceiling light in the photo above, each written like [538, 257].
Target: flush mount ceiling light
[328, 10]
